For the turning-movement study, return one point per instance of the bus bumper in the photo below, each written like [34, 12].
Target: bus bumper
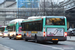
[55, 38]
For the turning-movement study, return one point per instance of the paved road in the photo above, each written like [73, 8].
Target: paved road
[31, 45]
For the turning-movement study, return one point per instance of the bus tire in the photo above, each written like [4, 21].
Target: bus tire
[9, 37]
[36, 39]
[26, 39]
[22, 37]
[14, 37]
[2, 36]
[55, 42]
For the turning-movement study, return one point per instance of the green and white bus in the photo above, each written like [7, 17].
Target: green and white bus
[14, 29]
[45, 28]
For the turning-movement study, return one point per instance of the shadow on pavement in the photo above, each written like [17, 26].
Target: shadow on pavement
[45, 43]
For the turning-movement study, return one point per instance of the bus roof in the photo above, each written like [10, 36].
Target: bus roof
[55, 17]
[35, 18]
[16, 20]
[32, 17]
[12, 22]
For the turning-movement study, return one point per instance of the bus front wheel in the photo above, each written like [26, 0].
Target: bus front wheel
[2, 36]
[9, 36]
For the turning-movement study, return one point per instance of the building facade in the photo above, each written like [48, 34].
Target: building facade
[5, 16]
[11, 9]
[69, 6]
[27, 3]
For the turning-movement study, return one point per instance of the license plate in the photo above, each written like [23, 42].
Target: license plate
[19, 36]
[54, 39]
[34, 32]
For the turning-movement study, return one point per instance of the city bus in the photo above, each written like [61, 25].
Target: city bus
[14, 29]
[3, 29]
[45, 28]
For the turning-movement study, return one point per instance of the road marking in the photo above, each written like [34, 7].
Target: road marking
[6, 47]
[68, 48]
[1, 45]
[12, 49]
[63, 48]
[53, 47]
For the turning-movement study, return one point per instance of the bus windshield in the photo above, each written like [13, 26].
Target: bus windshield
[55, 21]
[10, 28]
[1, 29]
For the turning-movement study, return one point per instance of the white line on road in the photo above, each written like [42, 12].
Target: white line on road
[63, 48]
[53, 47]
[6, 47]
[68, 48]
[12, 49]
[1, 45]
